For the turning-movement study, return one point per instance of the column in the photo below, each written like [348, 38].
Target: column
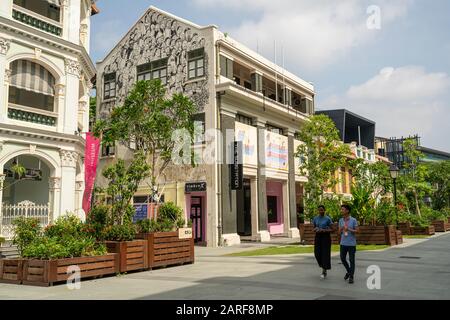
[73, 72]
[254, 208]
[68, 178]
[229, 207]
[54, 198]
[6, 9]
[263, 233]
[60, 91]
[4, 78]
[2, 180]
[65, 15]
[292, 230]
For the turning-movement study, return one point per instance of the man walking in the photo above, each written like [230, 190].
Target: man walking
[348, 227]
[322, 242]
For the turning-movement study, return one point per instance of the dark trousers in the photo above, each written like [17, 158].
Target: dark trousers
[351, 252]
[322, 250]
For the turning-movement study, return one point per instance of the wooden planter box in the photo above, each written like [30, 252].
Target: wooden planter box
[307, 234]
[47, 272]
[405, 227]
[133, 255]
[377, 235]
[441, 226]
[167, 249]
[11, 271]
[423, 231]
[399, 237]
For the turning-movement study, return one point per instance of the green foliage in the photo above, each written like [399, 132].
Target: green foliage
[125, 232]
[414, 219]
[123, 184]
[333, 207]
[363, 204]
[18, 170]
[26, 230]
[149, 119]
[65, 238]
[324, 154]
[170, 218]
[385, 213]
[439, 179]
[432, 215]
[97, 221]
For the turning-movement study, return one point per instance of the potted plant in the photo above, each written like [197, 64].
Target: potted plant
[169, 242]
[48, 254]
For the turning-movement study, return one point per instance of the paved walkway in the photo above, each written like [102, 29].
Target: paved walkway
[418, 270]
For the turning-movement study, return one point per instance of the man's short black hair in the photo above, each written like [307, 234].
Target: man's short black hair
[321, 206]
[346, 206]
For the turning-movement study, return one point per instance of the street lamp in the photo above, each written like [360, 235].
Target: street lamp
[394, 171]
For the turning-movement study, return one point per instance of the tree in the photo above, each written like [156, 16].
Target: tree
[439, 179]
[412, 182]
[372, 180]
[147, 122]
[323, 154]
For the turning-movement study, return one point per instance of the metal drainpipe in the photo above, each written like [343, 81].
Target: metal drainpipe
[217, 167]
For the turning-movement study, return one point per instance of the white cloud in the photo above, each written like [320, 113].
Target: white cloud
[403, 101]
[313, 33]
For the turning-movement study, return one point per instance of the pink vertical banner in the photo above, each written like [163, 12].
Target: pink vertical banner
[90, 169]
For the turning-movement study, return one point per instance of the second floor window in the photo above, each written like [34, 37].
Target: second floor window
[196, 63]
[48, 8]
[153, 70]
[244, 119]
[109, 86]
[274, 129]
[31, 85]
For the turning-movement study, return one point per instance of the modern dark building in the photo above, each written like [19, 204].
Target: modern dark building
[352, 127]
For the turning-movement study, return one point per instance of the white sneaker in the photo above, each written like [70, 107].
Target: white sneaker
[322, 276]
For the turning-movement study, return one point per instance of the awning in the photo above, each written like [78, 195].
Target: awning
[31, 76]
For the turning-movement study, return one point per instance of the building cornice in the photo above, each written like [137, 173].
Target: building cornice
[7, 129]
[33, 34]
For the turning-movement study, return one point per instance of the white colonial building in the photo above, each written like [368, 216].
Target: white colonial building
[45, 81]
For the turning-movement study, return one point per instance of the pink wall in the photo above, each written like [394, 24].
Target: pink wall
[276, 189]
[187, 210]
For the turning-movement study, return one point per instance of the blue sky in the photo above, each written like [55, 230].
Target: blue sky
[397, 75]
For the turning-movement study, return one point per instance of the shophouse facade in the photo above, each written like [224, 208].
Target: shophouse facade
[244, 96]
[45, 74]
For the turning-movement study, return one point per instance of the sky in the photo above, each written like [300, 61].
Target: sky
[387, 60]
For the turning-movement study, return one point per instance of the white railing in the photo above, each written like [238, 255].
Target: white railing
[28, 209]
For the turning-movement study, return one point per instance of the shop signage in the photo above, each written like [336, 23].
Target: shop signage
[141, 212]
[237, 168]
[195, 187]
[185, 233]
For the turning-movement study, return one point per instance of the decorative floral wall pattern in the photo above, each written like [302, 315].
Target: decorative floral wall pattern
[155, 37]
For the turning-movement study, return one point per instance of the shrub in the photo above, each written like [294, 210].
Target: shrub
[126, 232]
[385, 213]
[432, 215]
[26, 230]
[169, 211]
[148, 226]
[68, 225]
[96, 222]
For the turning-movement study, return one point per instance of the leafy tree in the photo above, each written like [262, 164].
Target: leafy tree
[413, 182]
[372, 180]
[124, 181]
[439, 178]
[147, 122]
[324, 155]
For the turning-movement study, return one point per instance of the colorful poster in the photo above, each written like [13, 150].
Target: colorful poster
[248, 135]
[90, 168]
[276, 151]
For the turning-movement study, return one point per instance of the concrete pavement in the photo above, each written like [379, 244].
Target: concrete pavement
[418, 270]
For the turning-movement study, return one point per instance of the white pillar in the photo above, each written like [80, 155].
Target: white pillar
[54, 198]
[65, 18]
[6, 8]
[4, 78]
[74, 17]
[73, 70]
[254, 208]
[60, 91]
[68, 178]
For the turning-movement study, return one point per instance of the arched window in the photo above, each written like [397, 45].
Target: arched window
[31, 86]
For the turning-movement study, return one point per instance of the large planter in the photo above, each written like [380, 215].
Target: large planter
[441, 225]
[11, 271]
[167, 249]
[47, 272]
[307, 234]
[423, 231]
[133, 255]
[405, 227]
[378, 235]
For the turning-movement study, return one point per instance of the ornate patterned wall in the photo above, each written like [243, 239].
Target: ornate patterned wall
[157, 36]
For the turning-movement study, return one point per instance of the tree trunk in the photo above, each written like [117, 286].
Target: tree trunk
[416, 200]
